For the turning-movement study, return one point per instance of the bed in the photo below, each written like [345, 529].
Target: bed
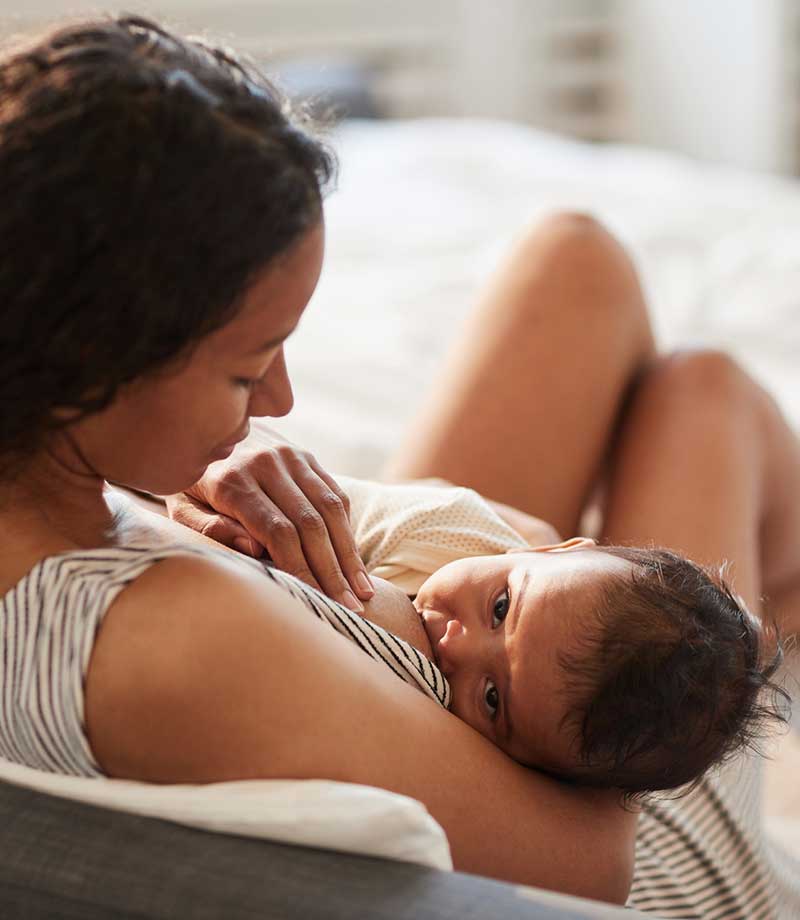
[425, 208]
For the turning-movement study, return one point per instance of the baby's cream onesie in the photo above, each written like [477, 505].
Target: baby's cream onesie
[406, 531]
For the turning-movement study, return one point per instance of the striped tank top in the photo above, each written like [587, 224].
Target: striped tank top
[48, 624]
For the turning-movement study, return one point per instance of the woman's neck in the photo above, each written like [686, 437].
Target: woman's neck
[57, 502]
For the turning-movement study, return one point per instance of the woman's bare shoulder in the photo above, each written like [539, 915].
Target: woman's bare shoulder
[171, 632]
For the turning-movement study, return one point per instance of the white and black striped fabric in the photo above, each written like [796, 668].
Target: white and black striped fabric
[48, 623]
[705, 855]
[399, 656]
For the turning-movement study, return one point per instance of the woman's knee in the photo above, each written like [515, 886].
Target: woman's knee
[699, 381]
[578, 266]
[575, 237]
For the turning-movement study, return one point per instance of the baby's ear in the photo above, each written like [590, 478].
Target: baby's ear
[564, 547]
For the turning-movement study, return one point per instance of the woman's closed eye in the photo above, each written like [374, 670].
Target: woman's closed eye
[248, 383]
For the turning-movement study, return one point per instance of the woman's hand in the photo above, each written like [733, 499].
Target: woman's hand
[272, 495]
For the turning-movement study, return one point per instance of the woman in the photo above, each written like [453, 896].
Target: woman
[126, 150]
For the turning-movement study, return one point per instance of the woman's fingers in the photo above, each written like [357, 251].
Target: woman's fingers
[283, 542]
[307, 533]
[287, 503]
[289, 509]
[333, 506]
[193, 513]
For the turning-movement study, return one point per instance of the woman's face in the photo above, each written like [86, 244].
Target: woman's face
[498, 625]
[162, 431]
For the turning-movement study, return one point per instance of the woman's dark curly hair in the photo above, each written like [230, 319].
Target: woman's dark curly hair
[145, 181]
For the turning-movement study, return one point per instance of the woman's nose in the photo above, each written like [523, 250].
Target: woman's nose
[273, 396]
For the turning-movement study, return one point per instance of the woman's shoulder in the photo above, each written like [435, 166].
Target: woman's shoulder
[102, 563]
[177, 579]
[170, 651]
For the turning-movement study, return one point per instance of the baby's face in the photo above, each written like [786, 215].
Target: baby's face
[497, 625]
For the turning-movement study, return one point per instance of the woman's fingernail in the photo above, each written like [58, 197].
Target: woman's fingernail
[363, 584]
[350, 600]
[243, 545]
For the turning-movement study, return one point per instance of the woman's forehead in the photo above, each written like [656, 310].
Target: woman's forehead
[276, 299]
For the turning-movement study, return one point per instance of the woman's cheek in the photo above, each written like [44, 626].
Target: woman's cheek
[225, 414]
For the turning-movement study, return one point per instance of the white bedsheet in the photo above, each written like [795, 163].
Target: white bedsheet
[424, 210]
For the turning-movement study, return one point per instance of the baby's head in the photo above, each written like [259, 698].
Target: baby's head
[614, 667]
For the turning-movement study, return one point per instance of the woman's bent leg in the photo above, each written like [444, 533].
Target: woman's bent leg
[706, 465]
[532, 390]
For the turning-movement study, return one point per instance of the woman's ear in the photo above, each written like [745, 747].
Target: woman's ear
[564, 547]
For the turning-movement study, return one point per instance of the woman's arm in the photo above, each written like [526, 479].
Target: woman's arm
[202, 672]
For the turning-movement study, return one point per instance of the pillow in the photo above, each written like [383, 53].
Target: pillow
[320, 813]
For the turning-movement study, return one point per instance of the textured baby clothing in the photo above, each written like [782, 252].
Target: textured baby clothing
[406, 531]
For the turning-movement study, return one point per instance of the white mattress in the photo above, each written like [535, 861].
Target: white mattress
[425, 208]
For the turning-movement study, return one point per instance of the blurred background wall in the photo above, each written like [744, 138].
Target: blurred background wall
[716, 79]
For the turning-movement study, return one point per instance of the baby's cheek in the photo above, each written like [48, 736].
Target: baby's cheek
[464, 713]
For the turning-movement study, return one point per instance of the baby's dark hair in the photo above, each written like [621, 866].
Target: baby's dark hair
[671, 676]
[146, 179]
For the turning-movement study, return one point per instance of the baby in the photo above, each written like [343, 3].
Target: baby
[611, 667]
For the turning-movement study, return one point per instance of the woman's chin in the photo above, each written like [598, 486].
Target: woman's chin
[165, 485]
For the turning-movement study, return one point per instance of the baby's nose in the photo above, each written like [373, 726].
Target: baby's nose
[449, 650]
[453, 628]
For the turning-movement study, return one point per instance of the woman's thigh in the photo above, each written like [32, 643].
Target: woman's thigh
[531, 391]
[689, 467]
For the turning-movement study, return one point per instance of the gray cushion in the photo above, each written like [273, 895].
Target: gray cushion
[63, 859]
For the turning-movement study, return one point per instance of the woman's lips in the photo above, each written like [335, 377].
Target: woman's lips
[226, 449]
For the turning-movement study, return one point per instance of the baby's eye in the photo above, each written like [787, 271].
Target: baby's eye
[500, 609]
[491, 697]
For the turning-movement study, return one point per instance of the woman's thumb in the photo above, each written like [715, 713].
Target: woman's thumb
[248, 546]
[225, 530]
[217, 526]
